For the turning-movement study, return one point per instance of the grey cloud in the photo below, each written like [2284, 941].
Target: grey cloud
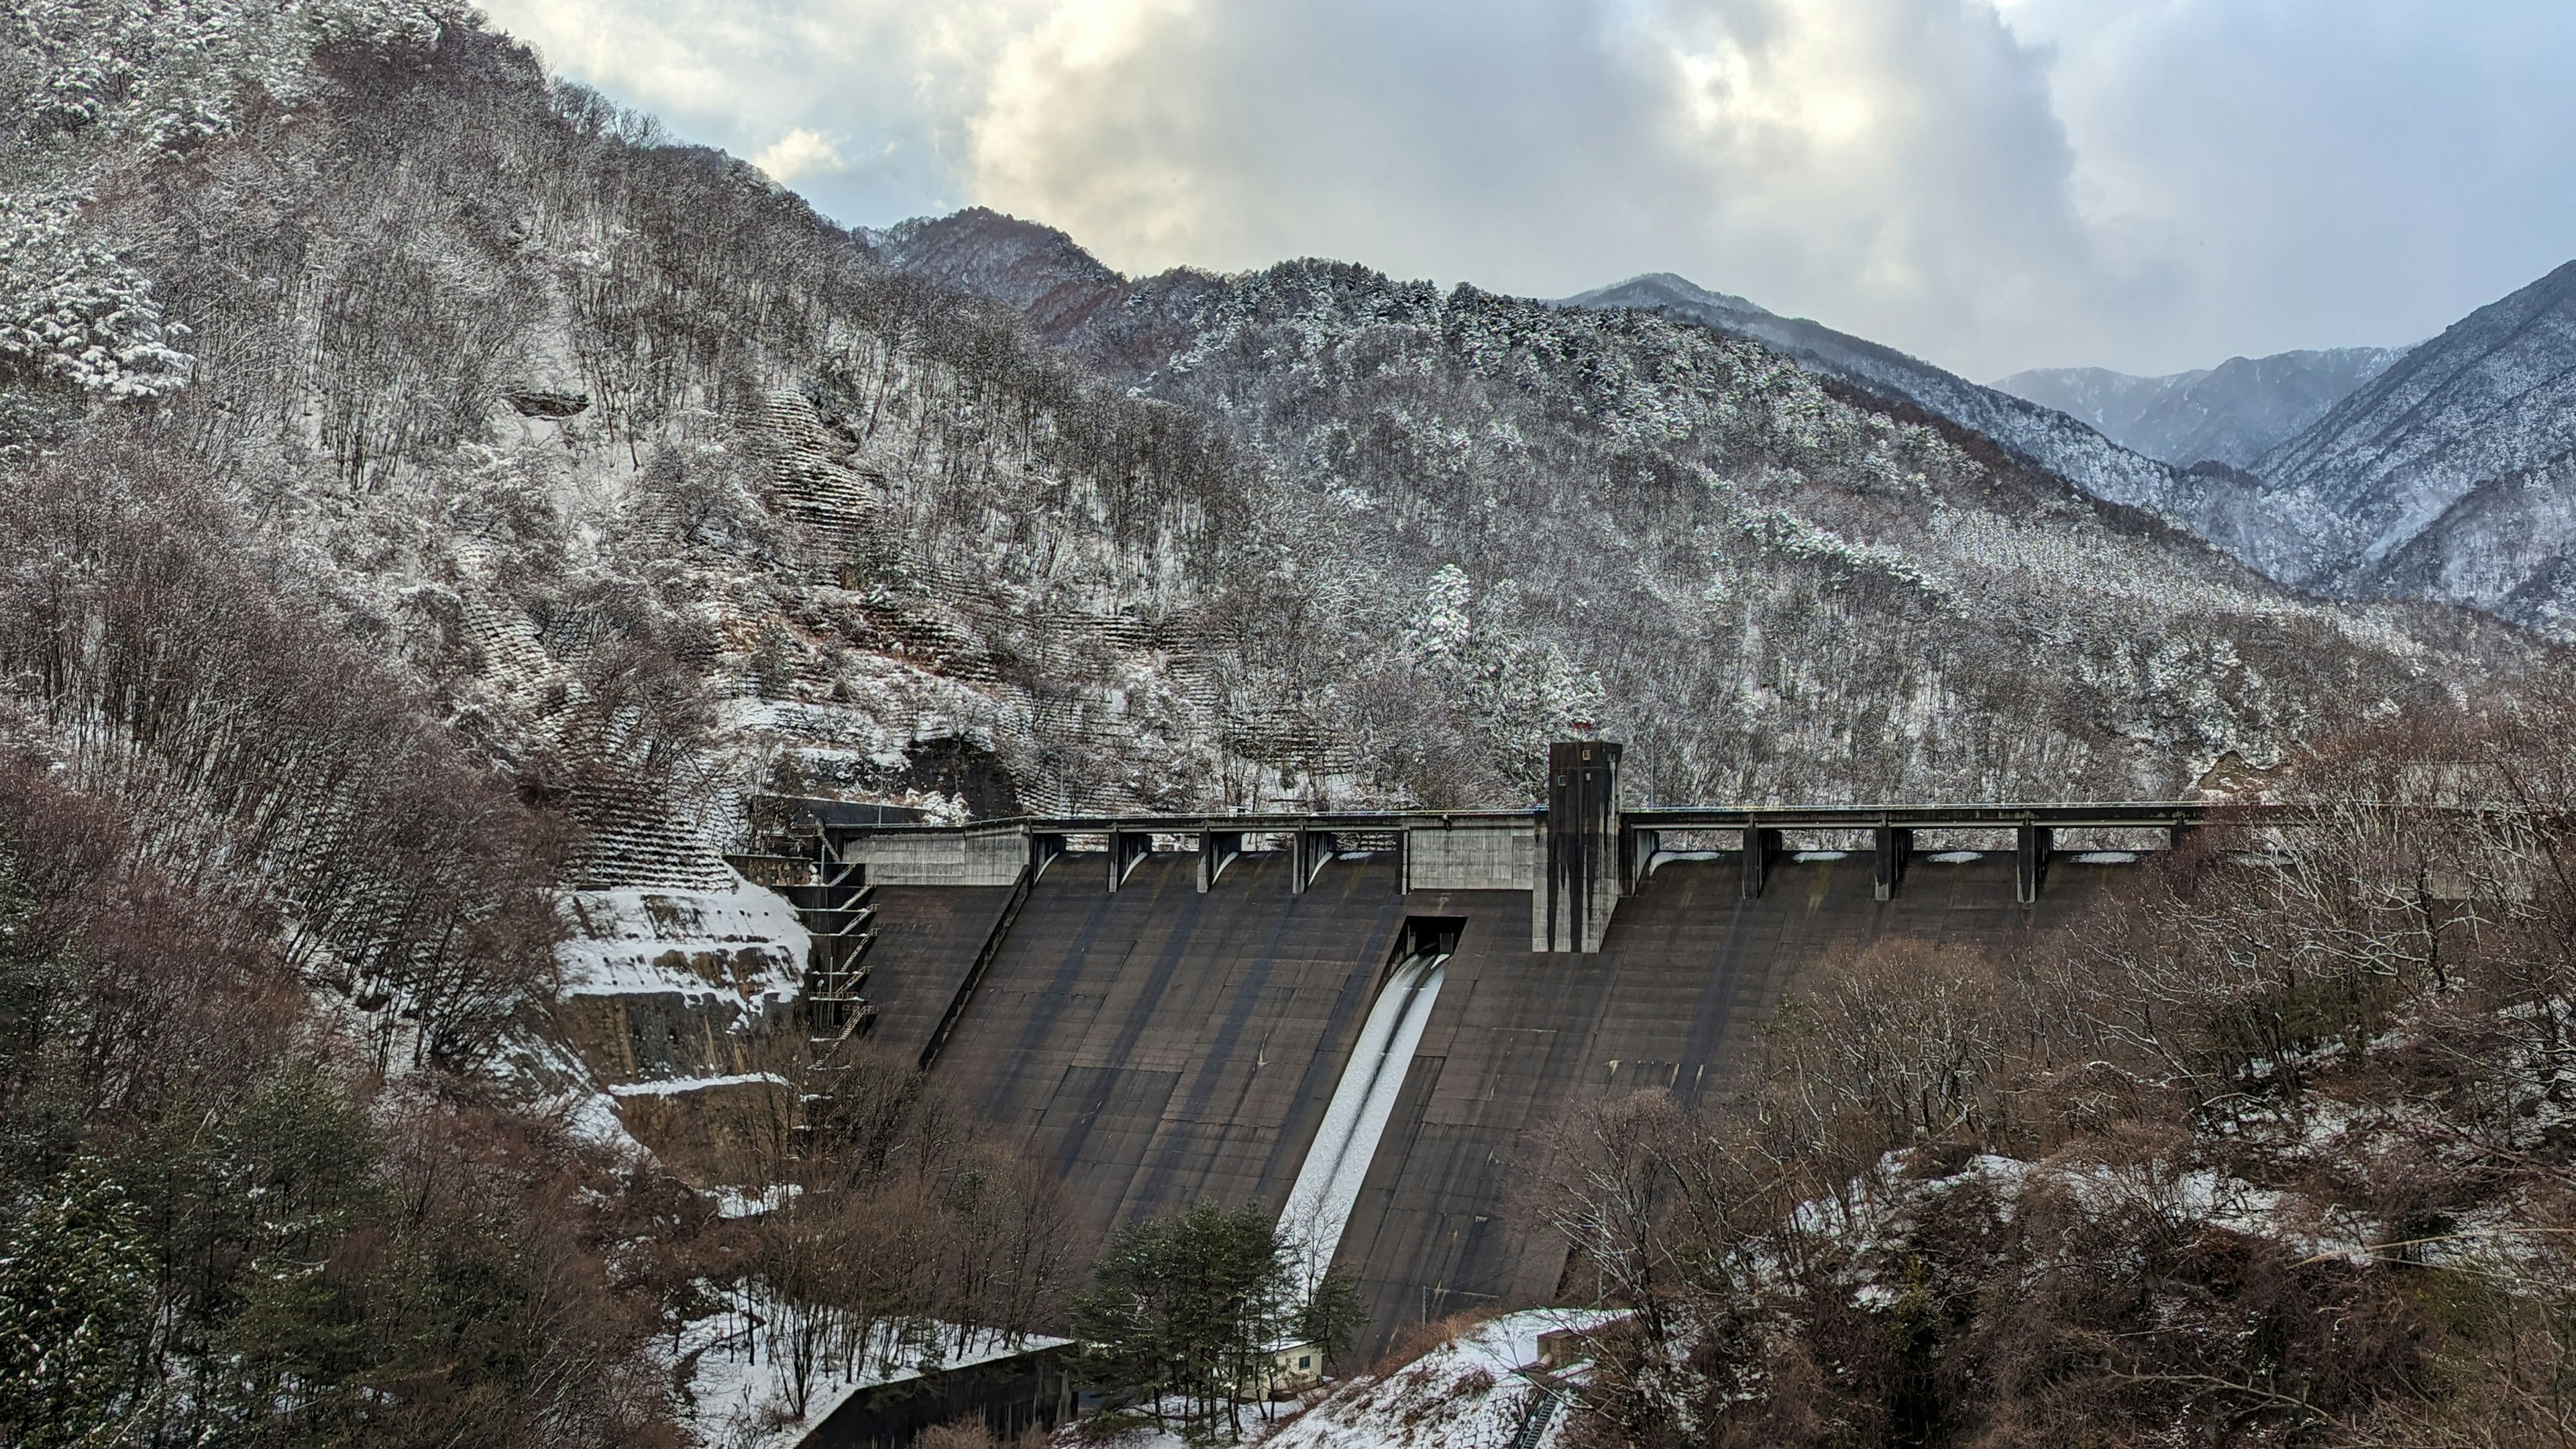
[2147, 184]
[1885, 164]
[2301, 173]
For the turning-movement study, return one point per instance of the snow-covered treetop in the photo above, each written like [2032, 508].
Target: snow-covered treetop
[102, 87]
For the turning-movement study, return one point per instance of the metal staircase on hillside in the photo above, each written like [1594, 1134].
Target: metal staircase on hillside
[832, 901]
[1543, 1402]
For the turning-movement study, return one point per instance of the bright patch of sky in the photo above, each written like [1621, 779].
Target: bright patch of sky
[1991, 184]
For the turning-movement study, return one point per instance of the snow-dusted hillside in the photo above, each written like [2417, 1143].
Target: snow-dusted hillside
[1779, 587]
[666, 489]
[2508, 546]
[2494, 395]
[2233, 413]
[1483, 1384]
[661, 489]
[2039, 434]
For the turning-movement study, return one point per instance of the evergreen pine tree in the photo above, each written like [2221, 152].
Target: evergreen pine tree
[74, 1303]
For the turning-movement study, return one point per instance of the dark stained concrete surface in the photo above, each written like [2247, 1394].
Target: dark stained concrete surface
[1160, 1045]
[926, 938]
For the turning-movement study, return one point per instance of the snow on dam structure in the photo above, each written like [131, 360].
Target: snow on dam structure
[1337, 1162]
[1164, 1007]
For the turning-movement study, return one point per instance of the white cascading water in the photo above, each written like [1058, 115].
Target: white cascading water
[1328, 1184]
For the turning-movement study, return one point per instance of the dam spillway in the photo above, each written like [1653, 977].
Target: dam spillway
[1166, 1016]
[1363, 1102]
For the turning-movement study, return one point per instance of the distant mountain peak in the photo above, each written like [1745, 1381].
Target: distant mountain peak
[2233, 413]
[1652, 289]
[2491, 402]
[992, 234]
[1032, 267]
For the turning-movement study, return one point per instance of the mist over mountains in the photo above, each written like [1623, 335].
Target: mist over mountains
[2233, 413]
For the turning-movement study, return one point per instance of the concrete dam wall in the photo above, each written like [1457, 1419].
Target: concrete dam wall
[1166, 1024]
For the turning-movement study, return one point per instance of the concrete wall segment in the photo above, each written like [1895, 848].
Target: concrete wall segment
[1473, 857]
[990, 857]
[1163, 1043]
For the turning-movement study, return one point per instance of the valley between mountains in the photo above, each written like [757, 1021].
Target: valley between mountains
[441, 514]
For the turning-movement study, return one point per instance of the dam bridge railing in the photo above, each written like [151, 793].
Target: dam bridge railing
[1577, 855]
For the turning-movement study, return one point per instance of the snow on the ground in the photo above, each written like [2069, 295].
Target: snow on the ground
[746, 942]
[1473, 1392]
[556, 1080]
[737, 1202]
[1469, 1393]
[743, 948]
[676, 1086]
[738, 1388]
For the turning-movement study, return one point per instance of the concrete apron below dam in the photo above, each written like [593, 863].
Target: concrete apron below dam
[1179, 1038]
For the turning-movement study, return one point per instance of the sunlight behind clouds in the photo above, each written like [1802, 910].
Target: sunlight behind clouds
[1091, 116]
[1991, 185]
[799, 154]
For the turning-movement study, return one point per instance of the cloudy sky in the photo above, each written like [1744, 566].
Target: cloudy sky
[1992, 184]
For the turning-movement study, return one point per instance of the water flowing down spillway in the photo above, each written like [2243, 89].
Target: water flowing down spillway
[1328, 1185]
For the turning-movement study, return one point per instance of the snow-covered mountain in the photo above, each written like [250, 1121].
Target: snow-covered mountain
[2237, 454]
[634, 459]
[2441, 472]
[2508, 546]
[2233, 413]
[2485, 409]
[1757, 563]
[2039, 434]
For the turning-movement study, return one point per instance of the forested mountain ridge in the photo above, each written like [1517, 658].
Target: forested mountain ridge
[664, 484]
[535, 424]
[2438, 472]
[2233, 413]
[2039, 434]
[433, 500]
[1588, 454]
[2443, 477]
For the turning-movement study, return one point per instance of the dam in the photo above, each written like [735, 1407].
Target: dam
[1171, 1008]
